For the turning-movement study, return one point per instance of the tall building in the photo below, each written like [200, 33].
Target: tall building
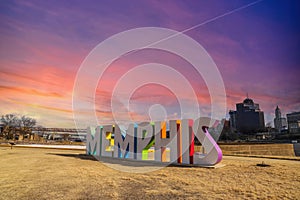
[294, 122]
[279, 122]
[232, 120]
[247, 118]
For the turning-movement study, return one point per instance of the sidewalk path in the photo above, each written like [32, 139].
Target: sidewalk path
[76, 147]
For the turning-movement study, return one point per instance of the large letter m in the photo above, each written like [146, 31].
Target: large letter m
[93, 141]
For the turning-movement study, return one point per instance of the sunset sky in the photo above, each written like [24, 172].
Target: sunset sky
[43, 43]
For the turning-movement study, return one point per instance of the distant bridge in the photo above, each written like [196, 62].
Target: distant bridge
[71, 134]
[58, 130]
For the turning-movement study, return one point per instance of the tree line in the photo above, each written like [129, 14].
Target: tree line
[14, 124]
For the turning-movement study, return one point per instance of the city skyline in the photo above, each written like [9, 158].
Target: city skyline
[44, 43]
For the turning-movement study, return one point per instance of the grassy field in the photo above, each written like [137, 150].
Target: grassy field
[27, 173]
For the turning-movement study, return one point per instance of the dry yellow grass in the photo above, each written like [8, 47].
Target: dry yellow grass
[27, 173]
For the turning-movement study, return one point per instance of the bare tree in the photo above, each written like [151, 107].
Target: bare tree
[13, 123]
[40, 131]
[26, 124]
[10, 123]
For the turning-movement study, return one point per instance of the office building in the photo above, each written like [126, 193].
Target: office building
[293, 122]
[280, 123]
[248, 118]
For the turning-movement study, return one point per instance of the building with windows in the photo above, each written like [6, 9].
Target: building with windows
[248, 118]
[232, 121]
[293, 120]
[280, 123]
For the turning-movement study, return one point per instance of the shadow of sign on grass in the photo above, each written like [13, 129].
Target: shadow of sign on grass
[125, 162]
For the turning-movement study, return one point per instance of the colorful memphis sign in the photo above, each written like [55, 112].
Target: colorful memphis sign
[152, 141]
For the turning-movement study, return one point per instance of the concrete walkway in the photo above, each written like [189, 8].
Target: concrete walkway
[75, 147]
